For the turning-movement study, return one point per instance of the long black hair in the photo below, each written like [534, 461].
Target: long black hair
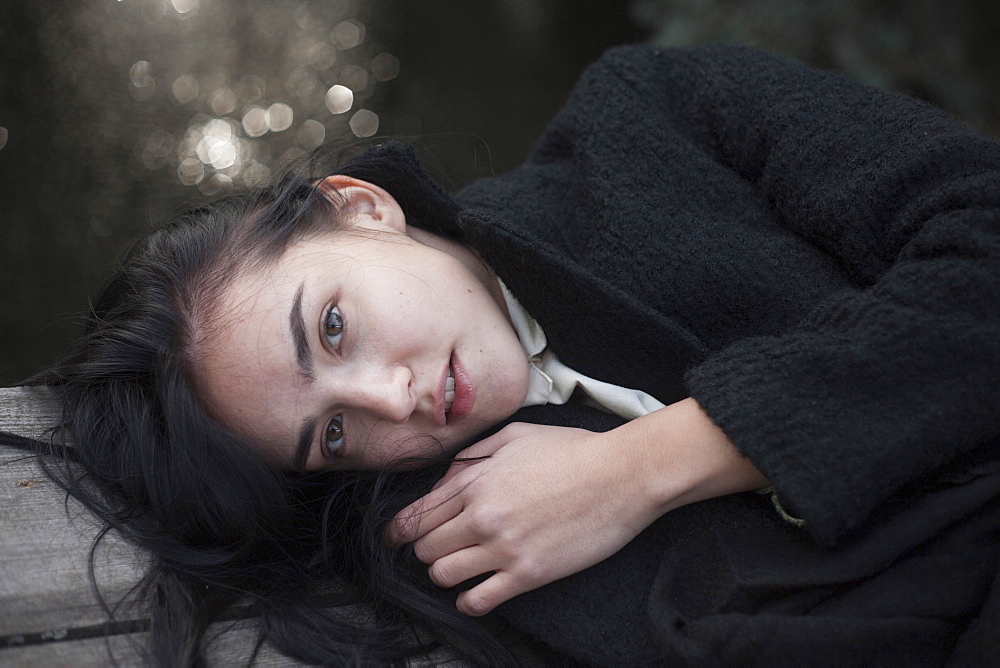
[229, 534]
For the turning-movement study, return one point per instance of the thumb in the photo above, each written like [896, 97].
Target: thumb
[475, 452]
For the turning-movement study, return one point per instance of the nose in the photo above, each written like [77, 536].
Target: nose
[387, 392]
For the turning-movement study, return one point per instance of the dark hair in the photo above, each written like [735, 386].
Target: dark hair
[231, 536]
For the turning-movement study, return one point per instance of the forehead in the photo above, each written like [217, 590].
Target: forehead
[265, 290]
[246, 369]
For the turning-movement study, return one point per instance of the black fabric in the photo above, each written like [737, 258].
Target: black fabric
[818, 264]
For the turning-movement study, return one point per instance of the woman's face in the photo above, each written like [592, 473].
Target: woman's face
[363, 346]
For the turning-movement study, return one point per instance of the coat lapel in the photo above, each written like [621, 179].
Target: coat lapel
[594, 326]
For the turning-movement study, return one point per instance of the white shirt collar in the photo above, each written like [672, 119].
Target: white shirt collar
[552, 382]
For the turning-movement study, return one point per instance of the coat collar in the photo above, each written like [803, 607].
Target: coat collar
[595, 327]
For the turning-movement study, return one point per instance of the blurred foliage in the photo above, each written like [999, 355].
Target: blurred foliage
[940, 50]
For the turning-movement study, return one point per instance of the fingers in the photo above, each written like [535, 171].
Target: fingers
[480, 450]
[422, 517]
[499, 588]
[453, 470]
[489, 445]
[439, 506]
[458, 567]
[468, 563]
[442, 541]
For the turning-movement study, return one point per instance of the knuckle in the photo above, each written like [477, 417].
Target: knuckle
[421, 552]
[441, 574]
[475, 604]
[514, 429]
[530, 572]
[405, 526]
[486, 521]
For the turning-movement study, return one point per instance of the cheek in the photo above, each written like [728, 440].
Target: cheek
[509, 366]
[393, 444]
[410, 309]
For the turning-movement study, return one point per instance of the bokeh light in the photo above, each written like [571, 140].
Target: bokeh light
[279, 117]
[364, 123]
[354, 77]
[348, 34]
[141, 77]
[322, 56]
[190, 171]
[185, 88]
[385, 67]
[184, 6]
[310, 134]
[223, 101]
[253, 90]
[243, 113]
[339, 99]
[256, 121]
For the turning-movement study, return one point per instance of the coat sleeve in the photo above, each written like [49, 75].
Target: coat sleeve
[879, 386]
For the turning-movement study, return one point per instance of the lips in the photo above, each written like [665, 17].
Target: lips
[464, 393]
[456, 394]
[449, 390]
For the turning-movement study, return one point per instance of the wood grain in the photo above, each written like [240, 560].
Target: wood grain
[233, 646]
[50, 614]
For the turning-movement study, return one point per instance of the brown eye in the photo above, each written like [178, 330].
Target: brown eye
[334, 436]
[333, 327]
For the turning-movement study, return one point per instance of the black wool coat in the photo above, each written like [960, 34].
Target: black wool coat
[817, 263]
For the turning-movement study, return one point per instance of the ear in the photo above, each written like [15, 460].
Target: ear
[365, 204]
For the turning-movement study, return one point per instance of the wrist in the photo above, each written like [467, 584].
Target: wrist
[680, 456]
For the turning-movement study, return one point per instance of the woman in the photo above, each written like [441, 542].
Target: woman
[803, 272]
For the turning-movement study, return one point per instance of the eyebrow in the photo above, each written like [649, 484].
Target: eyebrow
[304, 445]
[303, 356]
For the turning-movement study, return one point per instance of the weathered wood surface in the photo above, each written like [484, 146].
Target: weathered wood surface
[49, 612]
[233, 647]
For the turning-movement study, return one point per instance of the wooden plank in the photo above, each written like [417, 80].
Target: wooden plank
[45, 541]
[27, 411]
[233, 646]
[47, 601]
[49, 612]
[90, 652]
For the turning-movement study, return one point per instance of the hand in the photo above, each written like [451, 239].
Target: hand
[551, 501]
[548, 502]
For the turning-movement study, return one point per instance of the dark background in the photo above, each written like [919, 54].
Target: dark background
[113, 113]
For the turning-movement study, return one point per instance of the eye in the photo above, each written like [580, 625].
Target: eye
[333, 327]
[334, 438]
